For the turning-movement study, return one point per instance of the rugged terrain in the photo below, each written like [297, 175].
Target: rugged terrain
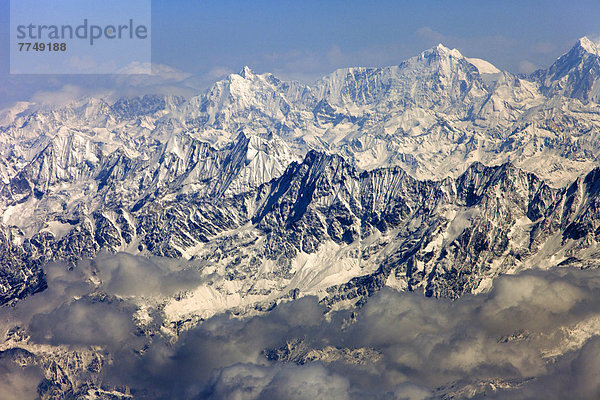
[435, 176]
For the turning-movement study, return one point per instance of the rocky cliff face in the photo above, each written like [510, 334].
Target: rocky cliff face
[444, 238]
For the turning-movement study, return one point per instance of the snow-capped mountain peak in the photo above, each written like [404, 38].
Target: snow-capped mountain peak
[246, 72]
[445, 51]
[484, 67]
[589, 45]
[575, 74]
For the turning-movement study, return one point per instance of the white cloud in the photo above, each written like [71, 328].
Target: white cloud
[219, 73]
[514, 333]
[527, 67]
[18, 383]
[250, 381]
[64, 95]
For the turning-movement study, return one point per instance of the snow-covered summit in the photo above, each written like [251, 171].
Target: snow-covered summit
[575, 74]
[442, 50]
[484, 67]
[589, 45]
[246, 72]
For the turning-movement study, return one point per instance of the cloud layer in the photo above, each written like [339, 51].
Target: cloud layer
[533, 335]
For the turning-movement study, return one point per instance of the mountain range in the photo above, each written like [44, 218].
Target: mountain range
[436, 175]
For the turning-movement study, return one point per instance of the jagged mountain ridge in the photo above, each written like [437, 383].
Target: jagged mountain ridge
[445, 238]
[433, 115]
[178, 178]
[575, 74]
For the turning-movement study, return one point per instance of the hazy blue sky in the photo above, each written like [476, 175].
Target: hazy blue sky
[306, 39]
